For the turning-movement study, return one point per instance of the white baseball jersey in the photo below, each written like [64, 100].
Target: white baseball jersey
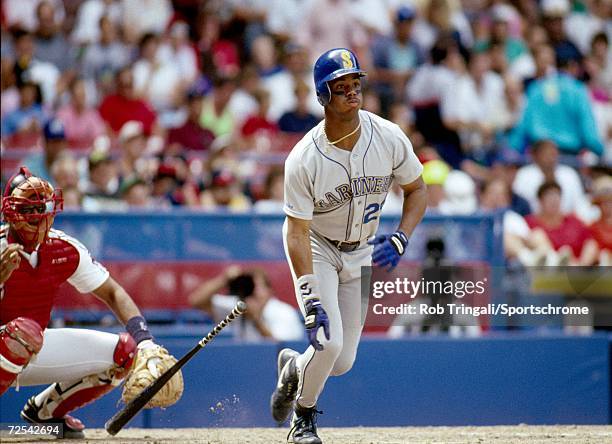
[342, 191]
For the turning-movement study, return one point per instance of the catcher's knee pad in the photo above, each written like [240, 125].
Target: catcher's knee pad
[63, 397]
[20, 340]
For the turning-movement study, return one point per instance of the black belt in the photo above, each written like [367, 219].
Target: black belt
[344, 246]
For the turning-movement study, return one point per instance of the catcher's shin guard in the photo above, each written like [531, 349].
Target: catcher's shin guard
[20, 340]
[54, 403]
[281, 402]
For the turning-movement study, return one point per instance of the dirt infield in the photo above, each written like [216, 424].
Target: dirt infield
[356, 435]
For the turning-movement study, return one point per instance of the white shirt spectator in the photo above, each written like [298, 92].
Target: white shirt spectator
[580, 28]
[87, 26]
[573, 200]
[425, 35]
[183, 58]
[280, 318]
[158, 82]
[281, 87]
[285, 16]
[22, 13]
[430, 84]
[142, 16]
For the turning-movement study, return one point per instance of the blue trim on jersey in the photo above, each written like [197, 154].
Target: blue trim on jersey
[348, 222]
[364, 174]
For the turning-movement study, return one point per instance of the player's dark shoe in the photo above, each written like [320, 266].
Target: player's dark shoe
[72, 427]
[281, 402]
[304, 426]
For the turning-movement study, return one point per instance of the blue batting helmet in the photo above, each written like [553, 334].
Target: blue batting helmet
[333, 64]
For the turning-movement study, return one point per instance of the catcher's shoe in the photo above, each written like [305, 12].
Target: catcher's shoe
[72, 427]
[304, 426]
[281, 402]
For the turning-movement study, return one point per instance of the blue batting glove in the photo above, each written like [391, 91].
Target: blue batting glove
[315, 319]
[388, 249]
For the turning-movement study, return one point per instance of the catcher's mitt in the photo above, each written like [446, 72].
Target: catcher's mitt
[149, 364]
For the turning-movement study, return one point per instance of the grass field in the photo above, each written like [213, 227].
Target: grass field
[356, 435]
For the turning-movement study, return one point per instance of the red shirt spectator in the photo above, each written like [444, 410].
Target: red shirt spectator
[570, 231]
[123, 106]
[602, 197]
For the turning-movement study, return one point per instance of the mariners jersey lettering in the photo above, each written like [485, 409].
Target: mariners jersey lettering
[342, 191]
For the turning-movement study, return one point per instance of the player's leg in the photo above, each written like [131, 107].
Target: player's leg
[88, 364]
[353, 305]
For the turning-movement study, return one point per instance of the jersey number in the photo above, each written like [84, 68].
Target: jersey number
[370, 212]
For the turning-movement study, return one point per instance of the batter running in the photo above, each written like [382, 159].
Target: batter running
[336, 181]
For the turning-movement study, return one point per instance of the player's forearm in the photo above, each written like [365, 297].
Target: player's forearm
[118, 300]
[300, 253]
[415, 203]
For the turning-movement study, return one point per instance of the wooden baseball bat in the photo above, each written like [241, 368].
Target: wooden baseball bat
[123, 416]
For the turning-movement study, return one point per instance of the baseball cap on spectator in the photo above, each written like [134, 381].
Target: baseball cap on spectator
[460, 194]
[435, 172]
[165, 170]
[199, 88]
[405, 13]
[98, 157]
[54, 130]
[129, 130]
[130, 183]
[555, 8]
[222, 178]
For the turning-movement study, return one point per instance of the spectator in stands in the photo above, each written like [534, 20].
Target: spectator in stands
[395, 58]
[568, 235]
[546, 168]
[505, 167]
[102, 189]
[133, 143]
[428, 91]
[225, 193]
[553, 15]
[472, 109]
[503, 15]
[82, 123]
[24, 124]
[8, 86]
[73, 198]
[530, 248]
[602, 228]
[191, 136]
[136, 193]
[583, 25]
[263, 53]
[557, 108]
[50, 44]
[336, 28]
[102, 59]
[170, 186]
[124, 105]
[87, 28]
[242, 103]
[258, 130]
[65, 171]
[54, 143]
[441, 18]
[21, 14]
[284, 18]
[28, 68]
[143, 16]
[216, 115]
[459, 194]
[157, 80]
[273, 199]
[281, 85]
[178, 51]
[266, 317]
[299, 119]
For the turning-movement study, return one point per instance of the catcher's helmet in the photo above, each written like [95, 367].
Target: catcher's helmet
[331, 65]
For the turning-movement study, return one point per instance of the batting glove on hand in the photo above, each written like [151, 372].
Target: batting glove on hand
[315, 314]
[388, 249]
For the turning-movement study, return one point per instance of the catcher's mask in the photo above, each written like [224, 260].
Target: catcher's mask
[29, 206]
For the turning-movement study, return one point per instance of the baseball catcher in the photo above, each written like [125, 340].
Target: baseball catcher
[81, 365]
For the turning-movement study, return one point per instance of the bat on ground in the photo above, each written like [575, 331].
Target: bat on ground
[123, 416]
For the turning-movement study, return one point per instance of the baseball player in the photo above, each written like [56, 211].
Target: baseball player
[336, 181]
[80, 365]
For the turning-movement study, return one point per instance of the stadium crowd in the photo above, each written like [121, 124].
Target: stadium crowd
[195, 103]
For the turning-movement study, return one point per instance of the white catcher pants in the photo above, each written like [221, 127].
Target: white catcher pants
[339, 276]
